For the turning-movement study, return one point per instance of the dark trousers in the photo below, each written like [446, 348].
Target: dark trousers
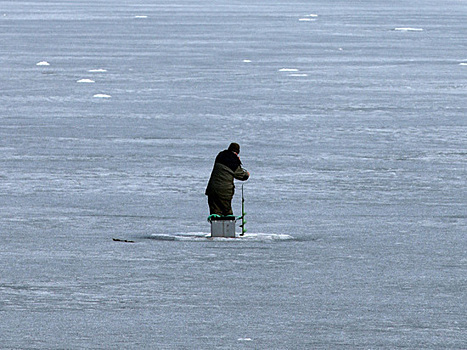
[220, 206]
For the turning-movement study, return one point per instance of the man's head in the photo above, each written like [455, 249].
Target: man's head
[234, 147]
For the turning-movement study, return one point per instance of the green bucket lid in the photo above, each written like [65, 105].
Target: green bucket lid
[217, 217]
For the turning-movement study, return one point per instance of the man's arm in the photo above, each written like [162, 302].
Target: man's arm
[241, 174]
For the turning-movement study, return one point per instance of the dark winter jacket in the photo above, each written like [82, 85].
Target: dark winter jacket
[226, 167]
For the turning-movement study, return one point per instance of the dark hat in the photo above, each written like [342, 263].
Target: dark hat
[234, 147]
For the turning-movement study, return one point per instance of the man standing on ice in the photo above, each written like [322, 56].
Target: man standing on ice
[220, 190]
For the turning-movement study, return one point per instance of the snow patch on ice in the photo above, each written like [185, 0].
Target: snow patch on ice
[408, 29]
[203, 236]
[264, 237]
[309, 18]
[102, 96]
[288, 70]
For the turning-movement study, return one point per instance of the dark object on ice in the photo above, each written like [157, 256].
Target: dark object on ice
[122, 240]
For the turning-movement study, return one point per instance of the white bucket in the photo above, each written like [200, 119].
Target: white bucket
[223, 228]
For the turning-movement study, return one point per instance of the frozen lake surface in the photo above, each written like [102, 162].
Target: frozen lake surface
[352, 122]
